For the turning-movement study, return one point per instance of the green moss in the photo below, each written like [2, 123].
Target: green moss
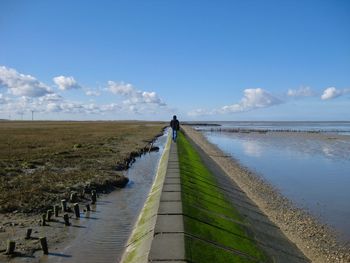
[216, 232]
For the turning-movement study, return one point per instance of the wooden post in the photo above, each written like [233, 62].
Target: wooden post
[43, 243]
[11, 246]
[28, 233]
[49, 215]
[56, 210]
[93, 196]
[73, 197]
[43, 219]
[88, 209]
[64, 205]
[66, 219]
[76, 210]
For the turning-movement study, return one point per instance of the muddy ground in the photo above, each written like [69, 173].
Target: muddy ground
[42, 163]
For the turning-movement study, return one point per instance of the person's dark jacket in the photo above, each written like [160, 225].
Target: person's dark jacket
[175, 124]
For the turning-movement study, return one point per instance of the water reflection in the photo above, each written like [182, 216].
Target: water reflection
[252, 148]
[313, 171]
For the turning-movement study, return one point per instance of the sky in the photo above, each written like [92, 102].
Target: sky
[201, 60]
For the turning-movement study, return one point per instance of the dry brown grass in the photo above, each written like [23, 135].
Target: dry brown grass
[40, 162]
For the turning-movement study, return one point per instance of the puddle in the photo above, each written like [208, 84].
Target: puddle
[103, 233]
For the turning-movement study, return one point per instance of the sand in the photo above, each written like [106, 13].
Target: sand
[315, 240]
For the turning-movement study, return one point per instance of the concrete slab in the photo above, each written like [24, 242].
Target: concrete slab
[172, 174]
[166, 261]
[170, 208]
[172, 181]
[168, 247]
[169, 223]
[170, 196]
[173, 167]
[172, 188]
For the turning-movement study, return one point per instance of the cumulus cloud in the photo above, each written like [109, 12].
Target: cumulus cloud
[199, 112]
[301, 92]
[332, 92]
[252, 99]
[22, 85]
[53, 97]
[92, 93]
[82, 108]
[26, 93]
[66, 83]
[121, 88]
[3, 99]
[53, 107]
[134, 96]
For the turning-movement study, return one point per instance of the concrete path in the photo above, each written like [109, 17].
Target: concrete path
[168, 244]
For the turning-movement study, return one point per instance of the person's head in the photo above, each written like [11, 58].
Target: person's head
[174, 117]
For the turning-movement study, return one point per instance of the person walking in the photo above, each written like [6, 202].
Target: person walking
[175, 126]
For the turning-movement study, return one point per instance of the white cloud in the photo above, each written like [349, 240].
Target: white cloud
[301, 92]
[22, 85]
[53, 107]
[3, 99]
[134, 96]
[51, 98]
[121, 88]
[332, 92]
[199, 112]
[252, 99]
[94, 93]
[26, 93]
[66, 83]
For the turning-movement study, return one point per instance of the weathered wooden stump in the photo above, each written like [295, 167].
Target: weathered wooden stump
[56, 209]
[48, 215]
[64, 205]
[43, 219]
[44, 247]
[28, 233]
[66, 219]
[11, 246]
[73, 197]
[76, 210]
[93, 197]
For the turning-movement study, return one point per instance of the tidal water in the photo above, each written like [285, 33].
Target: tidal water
[312, 171]
[103, 233]
[339, 127]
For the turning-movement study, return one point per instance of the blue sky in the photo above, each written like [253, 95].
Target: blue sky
[201, 60]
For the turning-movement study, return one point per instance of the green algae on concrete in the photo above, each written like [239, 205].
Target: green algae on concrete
[140, 241]
[214, 229]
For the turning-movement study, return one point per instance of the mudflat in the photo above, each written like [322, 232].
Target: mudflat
[44, 162]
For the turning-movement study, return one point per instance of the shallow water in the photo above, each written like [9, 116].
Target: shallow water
[313, 172]
[339, 127]
[103, 234]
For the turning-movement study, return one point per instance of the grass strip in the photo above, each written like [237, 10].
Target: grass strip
[209, 236]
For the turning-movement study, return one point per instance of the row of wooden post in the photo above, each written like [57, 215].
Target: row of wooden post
[11, 245]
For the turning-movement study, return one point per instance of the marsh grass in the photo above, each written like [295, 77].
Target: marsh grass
[41, 162]
[216, 232]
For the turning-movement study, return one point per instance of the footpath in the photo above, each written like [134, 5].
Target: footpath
[169, 242]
